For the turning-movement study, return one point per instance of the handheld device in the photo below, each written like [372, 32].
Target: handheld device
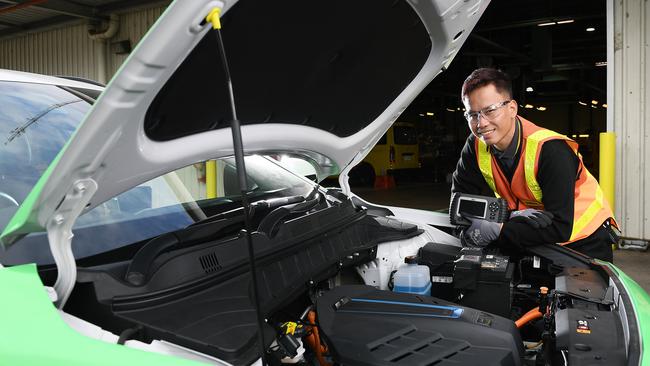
[464, 205]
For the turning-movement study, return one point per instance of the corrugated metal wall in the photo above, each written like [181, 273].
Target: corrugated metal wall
[133, 26]
[67, 49]
[630, 121]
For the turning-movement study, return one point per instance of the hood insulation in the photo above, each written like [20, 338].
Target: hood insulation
[333, 65]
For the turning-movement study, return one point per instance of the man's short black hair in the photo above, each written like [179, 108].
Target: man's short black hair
[485, 76]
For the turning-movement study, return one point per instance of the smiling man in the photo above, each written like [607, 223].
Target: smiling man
[538, 171]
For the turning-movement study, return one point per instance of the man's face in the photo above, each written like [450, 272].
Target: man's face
[495, 124]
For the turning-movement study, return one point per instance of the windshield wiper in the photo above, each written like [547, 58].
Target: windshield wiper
[258, 206]
[273, 203]
[270, 222]
[21, 129]
[138, 271]
[214, 226]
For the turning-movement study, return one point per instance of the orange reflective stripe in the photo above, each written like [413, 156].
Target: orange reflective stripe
[532, 143]
[485, 165]
[588, 215]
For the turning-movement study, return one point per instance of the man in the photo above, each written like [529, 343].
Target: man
[539, 172]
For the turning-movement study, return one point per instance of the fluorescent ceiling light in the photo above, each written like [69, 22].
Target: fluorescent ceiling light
[601, 63]
[541, 109]
[421, 114]
[585, 135]
[529, 106]
[429, 113]
[565, 21]
[594, 102]
[604, 105]
[593, 106]
[582, 103]
[529, 89]
[590, 29]
[450, 110]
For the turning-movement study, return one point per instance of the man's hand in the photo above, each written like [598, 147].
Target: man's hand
[535, 218]
[481, 232]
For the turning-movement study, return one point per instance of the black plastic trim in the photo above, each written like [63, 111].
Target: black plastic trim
[634, 346]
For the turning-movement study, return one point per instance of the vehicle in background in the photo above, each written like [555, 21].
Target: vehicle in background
[396, 153]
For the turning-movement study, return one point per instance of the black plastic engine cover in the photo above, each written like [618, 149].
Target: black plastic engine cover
[585, 324]
[366, 326]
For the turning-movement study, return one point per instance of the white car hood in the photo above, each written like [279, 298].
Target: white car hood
[324, 80]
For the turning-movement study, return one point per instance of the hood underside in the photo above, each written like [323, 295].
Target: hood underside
[334, 69]
[323, 80]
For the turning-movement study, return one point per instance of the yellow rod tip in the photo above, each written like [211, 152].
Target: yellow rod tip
[213, 17]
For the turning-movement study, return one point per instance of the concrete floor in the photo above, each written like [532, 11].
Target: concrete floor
[635, 264]
[430, 196]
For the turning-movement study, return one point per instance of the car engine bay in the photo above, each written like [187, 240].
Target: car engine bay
[329, 291]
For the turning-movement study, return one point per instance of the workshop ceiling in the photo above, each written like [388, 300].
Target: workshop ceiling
[21, 16]
[542, 44]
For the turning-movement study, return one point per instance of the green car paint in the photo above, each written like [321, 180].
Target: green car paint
[641, 309]
[34, 334]
[21, 222]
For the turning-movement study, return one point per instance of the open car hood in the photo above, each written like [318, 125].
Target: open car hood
[322, 80]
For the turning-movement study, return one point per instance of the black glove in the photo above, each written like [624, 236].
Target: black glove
[481, 232]
[535, 218]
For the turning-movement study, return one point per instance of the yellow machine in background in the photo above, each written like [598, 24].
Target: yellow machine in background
[397, 152]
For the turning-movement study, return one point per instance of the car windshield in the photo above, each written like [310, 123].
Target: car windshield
[37, 120]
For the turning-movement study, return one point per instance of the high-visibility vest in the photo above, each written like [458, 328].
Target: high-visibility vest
[590, 209]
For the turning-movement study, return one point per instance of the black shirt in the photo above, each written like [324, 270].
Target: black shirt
[557, 174]
[509, 158]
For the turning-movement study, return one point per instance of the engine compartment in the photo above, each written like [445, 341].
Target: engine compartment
[363, 325]
[326, 293]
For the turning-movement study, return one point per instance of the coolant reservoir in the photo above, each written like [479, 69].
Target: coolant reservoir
[412, 278]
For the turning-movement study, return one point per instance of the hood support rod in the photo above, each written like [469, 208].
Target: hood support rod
[238, 147]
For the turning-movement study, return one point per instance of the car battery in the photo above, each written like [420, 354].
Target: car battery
[440, 259]
[484, 281]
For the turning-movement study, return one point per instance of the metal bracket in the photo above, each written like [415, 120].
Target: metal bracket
[59, 235]
[633, 243]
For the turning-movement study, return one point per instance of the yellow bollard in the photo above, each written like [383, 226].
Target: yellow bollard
[607, 166]
[211, 179]
[607, 177]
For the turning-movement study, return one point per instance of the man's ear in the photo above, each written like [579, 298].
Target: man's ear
[513, 107]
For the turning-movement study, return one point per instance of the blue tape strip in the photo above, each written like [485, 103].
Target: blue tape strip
[456, 312]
